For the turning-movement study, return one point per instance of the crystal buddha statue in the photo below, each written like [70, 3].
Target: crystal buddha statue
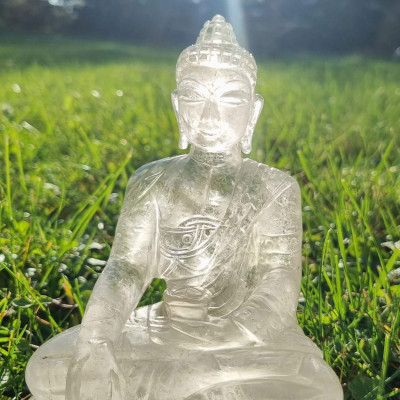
[225, 234]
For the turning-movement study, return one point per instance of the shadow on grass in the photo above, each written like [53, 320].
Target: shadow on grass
[17, 51]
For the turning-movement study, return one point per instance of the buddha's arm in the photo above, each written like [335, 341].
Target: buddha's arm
[128, 272]
[272, 305]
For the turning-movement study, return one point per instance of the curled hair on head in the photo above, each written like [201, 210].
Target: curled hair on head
[217, 46]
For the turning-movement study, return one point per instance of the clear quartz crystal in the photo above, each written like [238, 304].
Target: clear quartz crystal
[225, 234]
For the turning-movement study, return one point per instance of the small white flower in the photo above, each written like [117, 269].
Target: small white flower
[54, 188]
[96, 262]
[16, 88]
[96, 246]
[389, 245]
[7, 109]
[394, 275]
[62, 267]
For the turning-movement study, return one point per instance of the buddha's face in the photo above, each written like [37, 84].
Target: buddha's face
[214, 106]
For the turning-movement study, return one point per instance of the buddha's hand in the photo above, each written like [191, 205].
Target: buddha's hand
[263, 324]
[94, 373]
[213, 333]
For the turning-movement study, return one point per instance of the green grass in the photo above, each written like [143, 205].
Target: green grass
[68, 143]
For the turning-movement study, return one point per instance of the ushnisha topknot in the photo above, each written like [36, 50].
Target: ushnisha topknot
[217, 44]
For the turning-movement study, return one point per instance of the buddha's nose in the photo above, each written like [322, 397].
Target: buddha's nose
[210, 112]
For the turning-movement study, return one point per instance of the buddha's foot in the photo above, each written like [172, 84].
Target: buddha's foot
[264, 389]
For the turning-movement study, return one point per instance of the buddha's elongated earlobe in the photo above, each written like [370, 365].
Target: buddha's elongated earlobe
[183, 140]
[246, 142]
[248, 136]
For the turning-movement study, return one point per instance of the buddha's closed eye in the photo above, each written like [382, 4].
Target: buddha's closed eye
[192, 96]
[234, 97]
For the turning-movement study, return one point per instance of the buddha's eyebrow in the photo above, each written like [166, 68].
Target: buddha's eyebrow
[232, 82]
[192, 81]
[233, 85]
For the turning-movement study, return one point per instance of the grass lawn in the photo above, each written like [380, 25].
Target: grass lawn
[77, 118]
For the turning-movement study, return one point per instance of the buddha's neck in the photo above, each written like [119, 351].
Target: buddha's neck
[231, 157]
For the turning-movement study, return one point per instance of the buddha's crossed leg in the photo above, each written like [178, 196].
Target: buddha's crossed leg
[155, 372]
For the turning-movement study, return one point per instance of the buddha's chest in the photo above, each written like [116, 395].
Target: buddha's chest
[199, 222]
[188, 245]
[189, 193]
[198, 253]
[191, 215]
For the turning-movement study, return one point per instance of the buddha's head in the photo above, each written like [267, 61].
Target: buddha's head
[215, 103]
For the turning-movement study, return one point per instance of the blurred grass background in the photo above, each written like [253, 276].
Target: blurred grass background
[77, 118]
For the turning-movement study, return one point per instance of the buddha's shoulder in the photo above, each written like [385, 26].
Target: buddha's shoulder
[156, 167]
[269, 175]
[148, 174]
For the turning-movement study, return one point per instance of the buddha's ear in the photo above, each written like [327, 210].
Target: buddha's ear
[257, 108]
[255, 113]
[174, 99]
[183, 141]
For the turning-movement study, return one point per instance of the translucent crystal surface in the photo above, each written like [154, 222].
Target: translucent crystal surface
[225, 234]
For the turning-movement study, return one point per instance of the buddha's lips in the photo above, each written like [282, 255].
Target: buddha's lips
[212, 131]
